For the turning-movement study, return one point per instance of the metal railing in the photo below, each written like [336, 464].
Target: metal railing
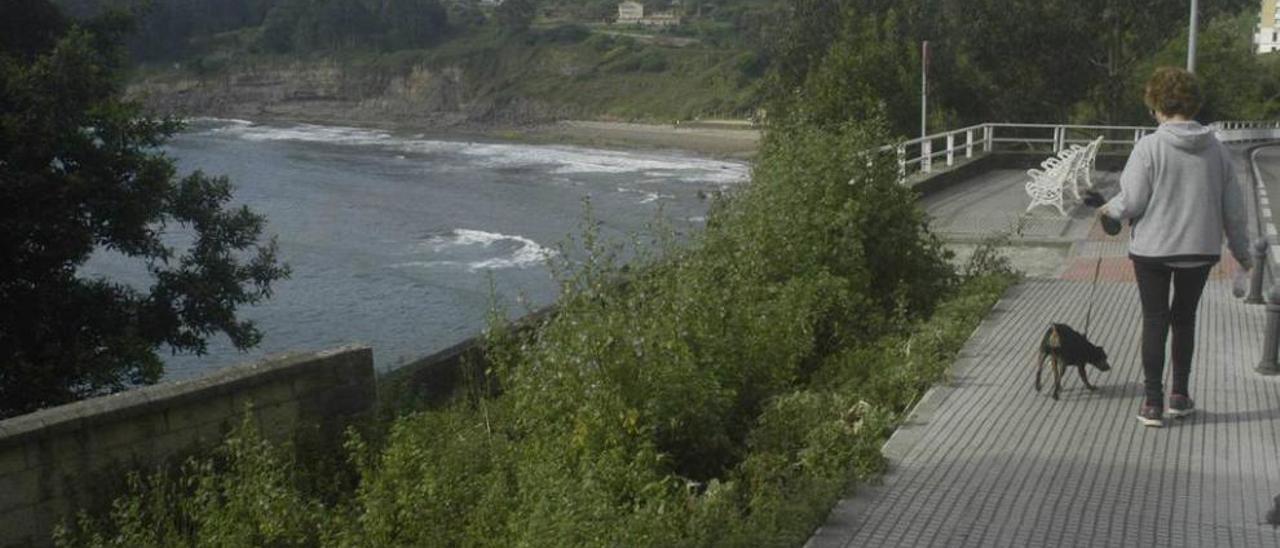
[1264, 287]
[1238, 131]
[922, 155]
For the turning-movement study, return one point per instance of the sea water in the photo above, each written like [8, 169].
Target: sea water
[405, 242]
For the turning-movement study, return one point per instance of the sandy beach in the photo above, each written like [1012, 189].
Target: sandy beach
[722, 139]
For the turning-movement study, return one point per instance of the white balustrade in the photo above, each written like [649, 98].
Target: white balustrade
[996, 137]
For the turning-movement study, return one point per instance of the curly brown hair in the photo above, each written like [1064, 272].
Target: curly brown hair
[1172, 91]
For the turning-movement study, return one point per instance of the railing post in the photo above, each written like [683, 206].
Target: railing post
[1267, 365]
[926, 156]
[988, 137]
[968, 144]
[1259, 267]
[951, 148]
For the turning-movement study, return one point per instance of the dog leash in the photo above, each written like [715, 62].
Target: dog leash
[1097, 268]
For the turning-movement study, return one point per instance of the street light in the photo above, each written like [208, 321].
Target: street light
[1191, 38]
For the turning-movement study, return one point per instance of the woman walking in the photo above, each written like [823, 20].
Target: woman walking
[1180, 192]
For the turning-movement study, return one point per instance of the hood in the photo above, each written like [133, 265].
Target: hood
[1190, 136]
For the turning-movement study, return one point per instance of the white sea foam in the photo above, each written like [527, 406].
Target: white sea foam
[562, 160]
[516, 251]
[649, 197]
[308, 133]
[424, 264]
[574, 160]
[223, 121]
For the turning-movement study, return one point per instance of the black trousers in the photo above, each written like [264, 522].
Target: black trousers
[1160, 318]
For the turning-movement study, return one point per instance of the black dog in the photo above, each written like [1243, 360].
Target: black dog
[1065, 347]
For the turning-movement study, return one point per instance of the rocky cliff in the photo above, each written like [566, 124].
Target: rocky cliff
[421, 96]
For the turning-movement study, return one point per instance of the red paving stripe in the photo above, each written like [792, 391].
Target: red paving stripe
[1120, 269]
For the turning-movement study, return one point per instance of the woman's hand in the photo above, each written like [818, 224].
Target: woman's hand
[1109, 225]
[1093, 198]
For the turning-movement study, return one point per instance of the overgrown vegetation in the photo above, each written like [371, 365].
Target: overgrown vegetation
[722, 392]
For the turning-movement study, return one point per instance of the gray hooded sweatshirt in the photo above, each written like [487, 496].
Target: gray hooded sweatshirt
[1180, 189]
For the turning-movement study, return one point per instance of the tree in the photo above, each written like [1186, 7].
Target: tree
[463, 13]
[336, 24]
[413, 23]
[515, 15]
[36, 30]
[80, 171]
[279, 25]
[837, 61]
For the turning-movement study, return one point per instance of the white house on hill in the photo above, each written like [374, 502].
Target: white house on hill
[632, 13]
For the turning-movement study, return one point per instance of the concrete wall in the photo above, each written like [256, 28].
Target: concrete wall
[59, 459]
[434, 380]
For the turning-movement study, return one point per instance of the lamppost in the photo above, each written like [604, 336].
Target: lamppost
[1191, 38]
[926, 146]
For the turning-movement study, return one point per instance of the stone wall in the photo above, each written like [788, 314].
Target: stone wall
[63, 458]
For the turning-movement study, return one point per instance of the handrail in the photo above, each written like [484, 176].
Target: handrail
[1266, 262]
[945, 146]
[994, 136]
[1242, 131]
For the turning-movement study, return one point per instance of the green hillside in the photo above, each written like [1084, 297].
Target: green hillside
[561, 58]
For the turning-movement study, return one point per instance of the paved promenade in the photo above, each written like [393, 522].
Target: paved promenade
[984, 460]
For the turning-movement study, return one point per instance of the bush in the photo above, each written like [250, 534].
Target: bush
[724, 392]
[565, 34]
[652, 61]
[246, 494]
[599, 42]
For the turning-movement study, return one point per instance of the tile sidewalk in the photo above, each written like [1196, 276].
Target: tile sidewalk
[984, 460]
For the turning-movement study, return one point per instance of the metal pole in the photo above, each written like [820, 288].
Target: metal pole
[1259, 268]
[1270, 344]
[926, 148]
[924, 89]
[1191, 38]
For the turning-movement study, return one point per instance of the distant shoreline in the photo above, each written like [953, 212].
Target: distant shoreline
[728, 139]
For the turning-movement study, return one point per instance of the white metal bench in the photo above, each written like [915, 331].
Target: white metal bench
[1072, 166]
[1084, 172]
[1046, 186]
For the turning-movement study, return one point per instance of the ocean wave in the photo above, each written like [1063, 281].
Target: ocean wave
[649, 197]
[217, 121]
[308, 133]
[514, 251]
[561, 160]
[569, 160]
